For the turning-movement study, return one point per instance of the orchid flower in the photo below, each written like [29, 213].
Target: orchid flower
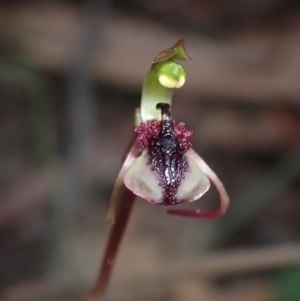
[161, 166]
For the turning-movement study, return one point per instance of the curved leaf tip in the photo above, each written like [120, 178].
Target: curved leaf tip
[177, 52]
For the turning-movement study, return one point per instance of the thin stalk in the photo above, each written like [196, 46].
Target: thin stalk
[114, 241]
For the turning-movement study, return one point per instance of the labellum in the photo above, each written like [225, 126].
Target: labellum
[169, 177]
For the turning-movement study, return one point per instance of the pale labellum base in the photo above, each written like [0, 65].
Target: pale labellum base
[144, 182]
[224, 198]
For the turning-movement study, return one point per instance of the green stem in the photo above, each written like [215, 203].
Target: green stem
[152, 94]
[158, 87]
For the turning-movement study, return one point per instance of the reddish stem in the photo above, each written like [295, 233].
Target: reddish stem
[114, 241]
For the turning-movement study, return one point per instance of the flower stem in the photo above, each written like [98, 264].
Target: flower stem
[114, 241]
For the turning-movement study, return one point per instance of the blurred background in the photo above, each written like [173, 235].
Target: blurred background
[70, 78]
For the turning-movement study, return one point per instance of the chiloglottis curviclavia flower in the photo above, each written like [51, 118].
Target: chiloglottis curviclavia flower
[161, 165]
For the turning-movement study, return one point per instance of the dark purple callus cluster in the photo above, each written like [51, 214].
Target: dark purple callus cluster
[166, 145]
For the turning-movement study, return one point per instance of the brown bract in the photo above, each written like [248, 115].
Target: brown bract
[176, 52]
